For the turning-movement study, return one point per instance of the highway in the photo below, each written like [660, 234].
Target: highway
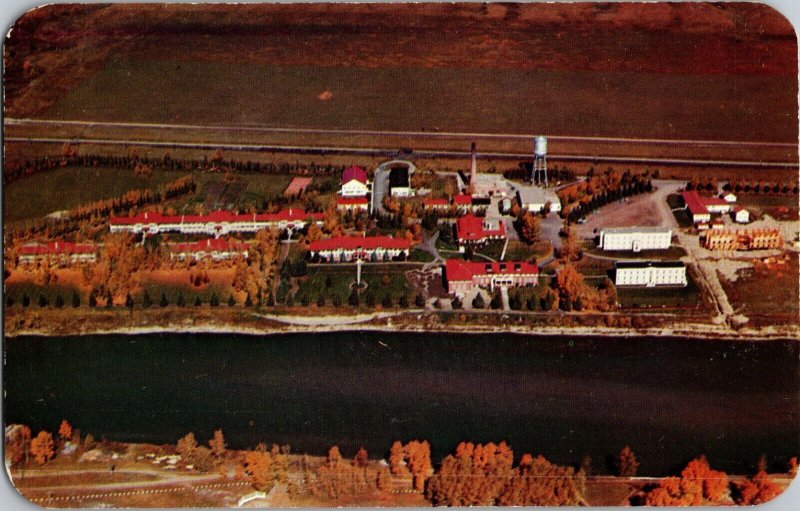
[392, 152]
[423, 134]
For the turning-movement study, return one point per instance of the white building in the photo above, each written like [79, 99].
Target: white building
[350, 248]
[741, 215]
[216, 223]
[635, 238]
[729, 197]
[490, 185]
[215, 249]
[354, 182]
[650, 273]
[535, 199]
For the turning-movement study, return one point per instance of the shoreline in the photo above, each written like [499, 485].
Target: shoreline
[414, 322]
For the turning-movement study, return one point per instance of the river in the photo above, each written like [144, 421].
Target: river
[562, 397]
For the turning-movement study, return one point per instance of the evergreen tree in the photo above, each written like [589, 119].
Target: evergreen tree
[92, 300]
[214, 301]
[180, 302]
[76, 300]
[321, 300]
[231, 301]
[164, 302]
[42, 301]
[387, 301]
[419, 301]
[9, 301]
[403, 302]
[129, 301]
[248, 302]
[478, 302]
[146, 300]
[59, 301]
[370, 299]
[354, 299]
[337, 300]
[197, 301]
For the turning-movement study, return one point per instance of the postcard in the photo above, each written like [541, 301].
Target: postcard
[401, 255]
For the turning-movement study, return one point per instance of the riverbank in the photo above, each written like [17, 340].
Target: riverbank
[66, 322]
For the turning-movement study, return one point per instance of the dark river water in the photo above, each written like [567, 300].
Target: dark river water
[670, 399]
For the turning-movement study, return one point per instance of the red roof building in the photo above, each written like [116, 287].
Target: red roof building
[701, 207]
[435, 203]
[462, 200]
[215, 248]
[473, 230]
[60, 251]
[464, 276]
[354, 172]
[297, 186]
[351, 248]
[216, 223]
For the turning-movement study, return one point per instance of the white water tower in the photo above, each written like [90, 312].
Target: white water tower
[539, 168]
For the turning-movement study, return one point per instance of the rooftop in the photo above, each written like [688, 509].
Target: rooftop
[457, 269]
[649, 264]
[357, 242]
[627, 230]
[354, 172]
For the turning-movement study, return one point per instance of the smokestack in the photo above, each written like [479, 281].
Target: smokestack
[473, 169]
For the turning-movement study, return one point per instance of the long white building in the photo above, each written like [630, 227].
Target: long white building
[216, 223]
[650, 273]
[635, 238]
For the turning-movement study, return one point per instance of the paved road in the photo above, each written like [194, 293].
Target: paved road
[389, 152]
[427, 134]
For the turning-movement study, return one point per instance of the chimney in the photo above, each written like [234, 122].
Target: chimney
[473, 169]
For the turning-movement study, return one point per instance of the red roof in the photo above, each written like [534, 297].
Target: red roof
[462, 200]
[345, 201]
[56, 247]
[356, 242]
[354, 172]
[209, 245]
[219, 216]
[297, 185]
[459, 270]
[436, 202]
[470, 228]
[695, 203]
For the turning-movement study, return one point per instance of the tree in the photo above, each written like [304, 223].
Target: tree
[42, 447]
[419, 301]
[496, 301]
[231, 301]
[217, 444]
[42, 301]
[59, 301]
[387, 303]
[180, 302]
[18, 444]
[146, 300]
[397, 458]
[164, 302]
[76, 300]
[403, 301]
[337, 300]
[570, 249]
[697, 485]
[530, 227]
[477, 302]
[418, 455]
[321, 300]
[65, 431]
[214, 301]
[456, 303]
[354, 299]
[258, 467]
[755, 490]
[186, 446]
[197, 301]
[361, 459]
[626, 463]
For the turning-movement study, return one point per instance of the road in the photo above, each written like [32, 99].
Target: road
[424, 134]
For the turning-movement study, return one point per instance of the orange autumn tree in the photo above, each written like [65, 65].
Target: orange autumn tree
[65, 431]
[698, 485]
[258, 467]
[42, 447]
[18, 443]
[626, 462]
[217, 444]
[755, 490]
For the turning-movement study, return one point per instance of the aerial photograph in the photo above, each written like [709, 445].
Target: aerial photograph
[401, 255]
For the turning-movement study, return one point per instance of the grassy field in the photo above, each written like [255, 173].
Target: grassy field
[634, 297]
[381, 279]
[399, 98]
[64, 188]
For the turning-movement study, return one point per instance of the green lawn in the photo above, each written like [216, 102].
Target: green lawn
[331, 280]
[633, 297]
[64, 188]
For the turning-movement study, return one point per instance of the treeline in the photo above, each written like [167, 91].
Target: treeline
[597, 190]
[76, 217]
[554, 173]
[742, 186]
[14, 170]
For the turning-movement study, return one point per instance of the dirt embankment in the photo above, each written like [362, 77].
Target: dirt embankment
[53, 48]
